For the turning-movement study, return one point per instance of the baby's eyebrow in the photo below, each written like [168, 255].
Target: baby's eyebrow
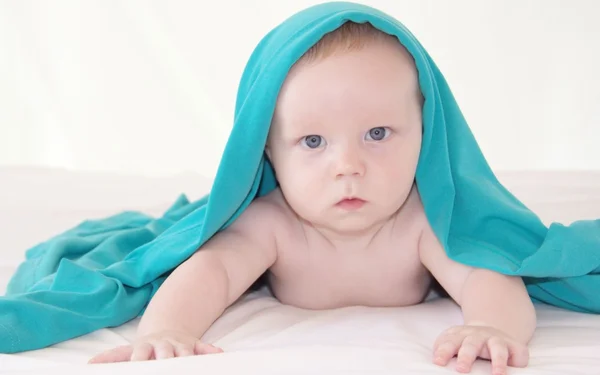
[302, 125]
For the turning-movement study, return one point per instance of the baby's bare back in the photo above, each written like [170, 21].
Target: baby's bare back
[312, 272]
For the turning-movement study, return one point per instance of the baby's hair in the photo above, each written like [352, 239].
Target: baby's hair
[350, 36]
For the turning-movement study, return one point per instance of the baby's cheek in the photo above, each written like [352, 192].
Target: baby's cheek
[301, 186]
[395, 188]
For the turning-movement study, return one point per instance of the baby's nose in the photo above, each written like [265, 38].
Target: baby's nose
[349, 163]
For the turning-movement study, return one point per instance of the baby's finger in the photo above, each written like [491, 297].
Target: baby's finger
[442, 338]
[119, 354]
[518, 355]
[203, 348]
[142, 352]
[468, 352]
[498, 350]
[182, 350]
[163, 349]
[446, 349]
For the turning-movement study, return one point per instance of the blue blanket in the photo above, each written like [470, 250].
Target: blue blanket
[103, 273]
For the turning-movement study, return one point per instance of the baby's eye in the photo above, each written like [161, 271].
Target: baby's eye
[377, 134]
[313, 141]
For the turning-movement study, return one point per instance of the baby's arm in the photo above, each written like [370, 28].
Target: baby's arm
[198, 291]
[499, 316]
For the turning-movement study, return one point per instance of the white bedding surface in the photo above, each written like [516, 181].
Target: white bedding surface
[260, 335]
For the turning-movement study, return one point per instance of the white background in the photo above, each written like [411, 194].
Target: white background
[148, 87]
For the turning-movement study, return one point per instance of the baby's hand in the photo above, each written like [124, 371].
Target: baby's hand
[470, 342]
[160, 345]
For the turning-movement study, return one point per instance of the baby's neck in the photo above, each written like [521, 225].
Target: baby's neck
[350, 241]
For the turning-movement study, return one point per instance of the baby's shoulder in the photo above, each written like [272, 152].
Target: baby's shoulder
[267, 213]
[411, 217]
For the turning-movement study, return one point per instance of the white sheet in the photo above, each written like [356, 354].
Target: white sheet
[260, 335]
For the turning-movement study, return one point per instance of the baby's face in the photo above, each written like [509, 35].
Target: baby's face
[346, 126]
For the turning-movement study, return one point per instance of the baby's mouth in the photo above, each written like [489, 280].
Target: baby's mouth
[351, 203]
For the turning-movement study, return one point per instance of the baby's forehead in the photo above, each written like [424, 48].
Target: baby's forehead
[368, 42]
[371, 79]
[352, 37]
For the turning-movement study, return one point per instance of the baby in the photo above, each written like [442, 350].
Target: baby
[346, 225]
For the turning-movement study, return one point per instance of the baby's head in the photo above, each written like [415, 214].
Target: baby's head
[347, 123]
